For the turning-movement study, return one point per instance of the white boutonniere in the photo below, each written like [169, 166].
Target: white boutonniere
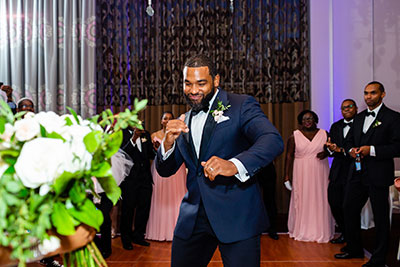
[143, 139]
[376, 124]
[218, 113]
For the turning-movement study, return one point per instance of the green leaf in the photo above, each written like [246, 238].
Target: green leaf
[139, 105]
[43, 131]
[55, 135]
[76, 193]
[68, 121]
[87, 214]
[9, 152]
[62, 220]
[111, 188]
[13, 186]
[92, 141]
[102, 170]
[10, 199]
[61, 183]
[36, 202]
[113, 143]
[73, 114]
[2, 124]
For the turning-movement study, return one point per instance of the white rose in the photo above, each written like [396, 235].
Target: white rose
[26, 129]
[74, 132]
[50, 121]
[79, 157]
[49, 245]
[6, 136]
[41, 161]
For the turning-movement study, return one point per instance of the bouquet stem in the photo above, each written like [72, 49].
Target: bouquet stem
[87, 256]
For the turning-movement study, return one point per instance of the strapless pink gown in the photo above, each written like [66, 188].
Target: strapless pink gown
[310, 217]
[165, 202]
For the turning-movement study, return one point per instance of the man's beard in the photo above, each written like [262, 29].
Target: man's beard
[204, 103]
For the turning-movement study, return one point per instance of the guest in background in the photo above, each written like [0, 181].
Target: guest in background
[167, 194]
[340, 165]
[8, 90]
[25, 104]
[267, 179]
[310, 218]
[373, 142]
[121, 165]
[137, 187]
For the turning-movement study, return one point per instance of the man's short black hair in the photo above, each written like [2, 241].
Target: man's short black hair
[202, 60]
[300, 116]
[380, 85]
[349, 99]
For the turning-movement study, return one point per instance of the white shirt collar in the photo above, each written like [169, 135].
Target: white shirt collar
[376, 110]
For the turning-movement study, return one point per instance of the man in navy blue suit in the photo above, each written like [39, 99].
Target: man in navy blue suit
[223, 140]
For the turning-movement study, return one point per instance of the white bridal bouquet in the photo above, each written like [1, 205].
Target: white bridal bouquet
[46, 168]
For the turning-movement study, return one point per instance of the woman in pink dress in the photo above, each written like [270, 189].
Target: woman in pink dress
[167, 194]
[310, 217]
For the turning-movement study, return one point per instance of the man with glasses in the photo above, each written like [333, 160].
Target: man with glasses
[340, 164]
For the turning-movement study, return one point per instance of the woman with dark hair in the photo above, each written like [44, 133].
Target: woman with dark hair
[167, 194]
[310, 217]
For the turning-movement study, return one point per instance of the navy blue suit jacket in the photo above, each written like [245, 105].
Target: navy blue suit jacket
[235, 209]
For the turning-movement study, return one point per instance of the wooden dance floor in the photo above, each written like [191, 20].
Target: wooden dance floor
[284, 252]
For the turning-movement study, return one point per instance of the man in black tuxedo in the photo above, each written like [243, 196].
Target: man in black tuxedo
[375, 138]
[340, 165]
[137, 187]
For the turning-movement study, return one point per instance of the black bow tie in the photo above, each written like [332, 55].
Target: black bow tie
[195, 112]
[372, 113]
[348, 124]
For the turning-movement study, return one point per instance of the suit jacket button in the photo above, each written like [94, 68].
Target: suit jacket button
[199, 173]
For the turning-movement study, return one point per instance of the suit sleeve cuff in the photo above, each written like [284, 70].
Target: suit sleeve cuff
[372, 151]
[242, 174]
[168, 153]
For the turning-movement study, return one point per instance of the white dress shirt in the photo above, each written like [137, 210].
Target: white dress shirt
[367, 123]
[346, 128]
[197, 126]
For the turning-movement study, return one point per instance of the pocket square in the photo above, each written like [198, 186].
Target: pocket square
[222, 119]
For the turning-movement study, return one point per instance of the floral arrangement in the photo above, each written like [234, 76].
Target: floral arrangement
[46, 168]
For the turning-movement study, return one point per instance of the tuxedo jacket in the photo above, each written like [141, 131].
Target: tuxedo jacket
[341, 163]
[384, 134]
[234, 209]
[140, 172]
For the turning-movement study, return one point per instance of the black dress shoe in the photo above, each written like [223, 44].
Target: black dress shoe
[343, 249]
[127, 245]
[339, 240]
[106, 254]
[273, 235]
[372, 264]
[346, 255]
[141, 242]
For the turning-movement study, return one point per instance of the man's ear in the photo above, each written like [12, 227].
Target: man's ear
[216, 81]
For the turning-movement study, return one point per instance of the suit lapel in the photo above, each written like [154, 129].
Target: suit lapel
[186, 143]
[341, 137]
[378, 117]
[210, 124]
